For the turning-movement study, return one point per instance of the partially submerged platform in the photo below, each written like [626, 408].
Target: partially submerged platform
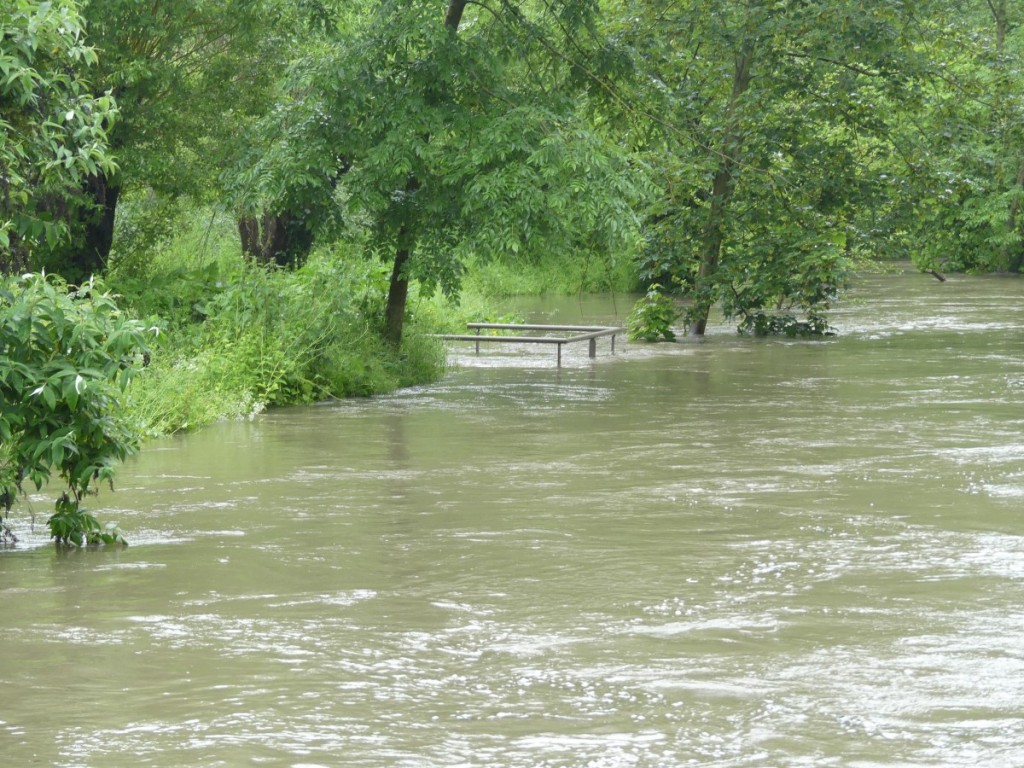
[572, 333]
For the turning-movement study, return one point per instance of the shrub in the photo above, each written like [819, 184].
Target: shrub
[255, 336]
[652, 317]
[67, 355]
[762, 324]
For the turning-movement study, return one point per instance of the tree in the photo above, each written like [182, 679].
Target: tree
[187, 78]
[53, 131]
[965, 138]
[280, 212]
[451, 128]
[763, 113]
[66, 356]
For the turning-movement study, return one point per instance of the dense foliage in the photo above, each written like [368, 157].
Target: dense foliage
[763, 122]
[53, 128]
[240, 337]
[441, 135]
[959, 185]
[67, 355]
[745, 155]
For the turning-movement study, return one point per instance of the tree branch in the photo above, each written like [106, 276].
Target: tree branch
[843, 64]
[453, 18]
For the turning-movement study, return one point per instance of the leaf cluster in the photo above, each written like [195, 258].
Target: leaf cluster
[815, 326]
[71, 525]
[765, 124]
[53, 129]
[67, 355]
[454, 145]
[653, 316]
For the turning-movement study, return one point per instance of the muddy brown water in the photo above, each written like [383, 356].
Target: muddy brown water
[742, 552]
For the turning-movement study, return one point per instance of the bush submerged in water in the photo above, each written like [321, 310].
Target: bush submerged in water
[762, 324]
[652, 317]
[67, 354]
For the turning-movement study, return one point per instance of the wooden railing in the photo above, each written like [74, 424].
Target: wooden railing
[589, 333]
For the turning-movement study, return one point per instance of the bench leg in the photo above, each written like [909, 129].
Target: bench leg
[593, 348]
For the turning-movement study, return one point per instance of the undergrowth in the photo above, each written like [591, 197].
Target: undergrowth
[238, 337]
[497, 279]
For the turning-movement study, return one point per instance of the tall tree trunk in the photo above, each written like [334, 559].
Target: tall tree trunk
[722, 186]
[453, 17]
[97, 228]
[398, 289]
[712, 236]
[398, 292]
[100, 237]
[1002, 20]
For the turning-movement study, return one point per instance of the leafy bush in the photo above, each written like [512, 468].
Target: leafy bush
[652, 317]
[54, 133]
[67, 355]
[243, 337]
[72, 525]
[762, 324]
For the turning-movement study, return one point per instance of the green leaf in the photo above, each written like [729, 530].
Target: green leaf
[57, 453]
[49, 397]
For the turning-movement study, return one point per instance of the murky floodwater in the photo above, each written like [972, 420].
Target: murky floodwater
[736, 553]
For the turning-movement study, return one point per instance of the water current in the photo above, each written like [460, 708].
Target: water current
[741, 552]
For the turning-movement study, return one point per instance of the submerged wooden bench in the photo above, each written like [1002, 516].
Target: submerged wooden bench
[589, 333]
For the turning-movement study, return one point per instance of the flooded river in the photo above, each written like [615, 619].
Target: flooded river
[742, 552]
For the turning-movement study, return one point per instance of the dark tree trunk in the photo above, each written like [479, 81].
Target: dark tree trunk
[274, 238]
[249, 235]
[712, 237]
[398, 289]
[99, 238]
[713, 233]
[95, 223]
[398, 292]
[262, 237]
[453, 17]
[1002, 20]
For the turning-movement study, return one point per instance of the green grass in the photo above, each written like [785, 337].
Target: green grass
[238, 338]
[497, 279]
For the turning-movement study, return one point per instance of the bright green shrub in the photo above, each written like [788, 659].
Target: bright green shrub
[247, 337]
[652, 317]
[67, 355]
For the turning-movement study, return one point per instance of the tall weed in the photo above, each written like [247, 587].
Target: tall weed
[497, 279]
[241, 337]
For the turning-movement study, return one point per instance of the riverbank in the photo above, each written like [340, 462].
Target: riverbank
[237, 338]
